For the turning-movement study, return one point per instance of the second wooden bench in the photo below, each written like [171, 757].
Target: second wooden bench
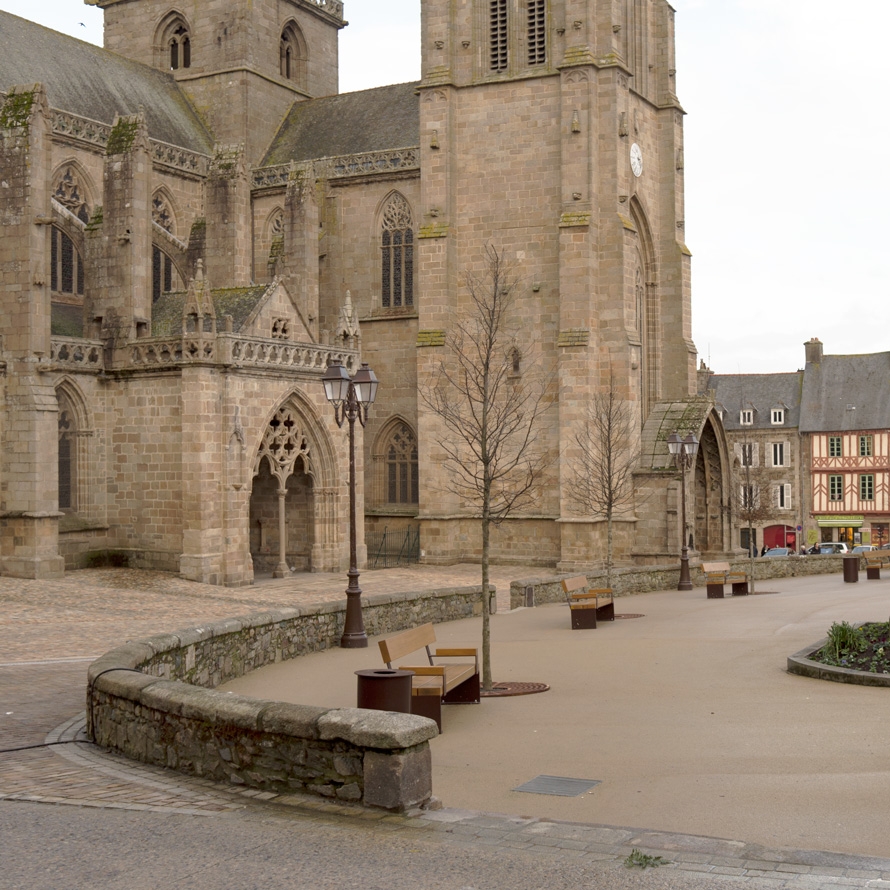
[719, 573]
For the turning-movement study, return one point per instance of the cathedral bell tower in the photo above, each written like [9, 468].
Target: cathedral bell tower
[242, 62]
[566, 111]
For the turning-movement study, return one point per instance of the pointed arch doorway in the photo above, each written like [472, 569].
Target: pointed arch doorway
[292, 524]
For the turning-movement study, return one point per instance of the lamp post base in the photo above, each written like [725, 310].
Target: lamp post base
[354, 636]
[685, 580]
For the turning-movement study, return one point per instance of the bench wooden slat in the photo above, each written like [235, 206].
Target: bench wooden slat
[406, 642]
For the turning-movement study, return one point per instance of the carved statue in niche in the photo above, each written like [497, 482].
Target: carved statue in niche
[68, 193]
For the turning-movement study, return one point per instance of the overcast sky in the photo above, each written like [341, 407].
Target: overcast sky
[786, 164]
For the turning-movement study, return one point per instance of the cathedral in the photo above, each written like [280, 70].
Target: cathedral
[196, 224]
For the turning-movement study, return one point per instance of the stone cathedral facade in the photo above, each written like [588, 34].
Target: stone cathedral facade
[195, 223]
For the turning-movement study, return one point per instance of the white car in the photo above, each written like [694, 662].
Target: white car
[864, 548]
[833, 547]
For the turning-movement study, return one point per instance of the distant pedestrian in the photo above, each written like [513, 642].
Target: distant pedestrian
[763, 551]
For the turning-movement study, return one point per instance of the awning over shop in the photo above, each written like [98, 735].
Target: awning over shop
[840, 521]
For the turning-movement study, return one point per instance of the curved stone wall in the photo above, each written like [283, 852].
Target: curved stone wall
[154, 700]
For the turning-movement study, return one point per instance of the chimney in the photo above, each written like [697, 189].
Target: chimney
[813, 348]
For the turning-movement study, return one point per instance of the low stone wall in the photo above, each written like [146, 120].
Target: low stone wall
[648, 578]
[800, 663]
[154, 700]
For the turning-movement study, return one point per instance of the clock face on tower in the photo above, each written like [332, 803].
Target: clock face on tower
[636, 160]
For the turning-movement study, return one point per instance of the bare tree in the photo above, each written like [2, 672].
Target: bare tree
[751, 503]
[608, 452]
[490, 409]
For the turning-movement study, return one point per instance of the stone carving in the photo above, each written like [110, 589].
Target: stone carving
[69, 194]
[77, 354]
[365, 164]
[160, 212]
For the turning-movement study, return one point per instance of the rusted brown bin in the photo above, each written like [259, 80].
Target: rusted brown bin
[385, 689]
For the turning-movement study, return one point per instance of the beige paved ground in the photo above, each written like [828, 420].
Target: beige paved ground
[686, 715]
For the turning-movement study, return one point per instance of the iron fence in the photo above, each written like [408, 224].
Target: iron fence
[387, 549]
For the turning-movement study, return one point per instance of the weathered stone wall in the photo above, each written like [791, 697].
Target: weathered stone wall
[644, 580]
[154, 700]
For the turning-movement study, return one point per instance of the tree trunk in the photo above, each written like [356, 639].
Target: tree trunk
[609, 549]
[486, 613]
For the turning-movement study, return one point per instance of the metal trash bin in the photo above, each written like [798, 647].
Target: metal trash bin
[384, 690]
[851, 568]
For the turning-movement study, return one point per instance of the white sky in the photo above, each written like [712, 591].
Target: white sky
[786, 169]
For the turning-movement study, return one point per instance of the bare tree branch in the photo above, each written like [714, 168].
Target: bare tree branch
[494, 460]
[607, 455]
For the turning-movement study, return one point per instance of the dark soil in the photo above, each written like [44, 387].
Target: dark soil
[864, 648]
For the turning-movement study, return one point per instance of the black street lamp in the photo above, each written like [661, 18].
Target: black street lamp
[683, 453]
[351, 399]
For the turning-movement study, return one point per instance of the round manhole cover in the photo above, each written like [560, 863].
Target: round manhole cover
[498, 689]
[629, 615]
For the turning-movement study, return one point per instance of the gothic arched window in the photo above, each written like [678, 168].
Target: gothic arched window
[164, 275]
[66, 265]
[178, 44]
[397, 247]
[400, 462]
[292, 55]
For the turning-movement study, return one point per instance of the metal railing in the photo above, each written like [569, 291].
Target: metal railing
[388, 549]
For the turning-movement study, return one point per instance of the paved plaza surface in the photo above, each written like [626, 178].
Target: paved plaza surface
[734, 771]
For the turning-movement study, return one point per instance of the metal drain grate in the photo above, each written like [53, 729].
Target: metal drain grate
[559, 786]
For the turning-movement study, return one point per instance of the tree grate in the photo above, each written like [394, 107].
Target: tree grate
[558, 786]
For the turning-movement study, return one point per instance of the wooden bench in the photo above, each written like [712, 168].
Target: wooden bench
[719, 573]
[434, 684]
[587, 604]
[873, 563]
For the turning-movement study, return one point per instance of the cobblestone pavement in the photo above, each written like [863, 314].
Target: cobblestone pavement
[50, 631]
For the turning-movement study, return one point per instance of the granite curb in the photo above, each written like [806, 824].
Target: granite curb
[781, 869]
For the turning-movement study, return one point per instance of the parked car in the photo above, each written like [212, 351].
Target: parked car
[779, 551]
[833, 547]
[863, 548]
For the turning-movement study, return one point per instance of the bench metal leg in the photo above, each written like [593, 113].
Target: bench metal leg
[715, 591]
[606, 612]
[873, 573]
[739, 588]
[583, 619]
[468, 693]
[428, 706]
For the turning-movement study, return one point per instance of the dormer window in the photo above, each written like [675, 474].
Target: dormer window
[746, 417]
[778, 416]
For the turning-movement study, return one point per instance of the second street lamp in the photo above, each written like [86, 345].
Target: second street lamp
[683, 453]
[351, 398]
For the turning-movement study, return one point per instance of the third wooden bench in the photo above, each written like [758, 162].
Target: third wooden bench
[588, 604]
[719, 573]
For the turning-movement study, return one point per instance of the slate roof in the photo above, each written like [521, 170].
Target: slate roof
[846, 392]
[350, 123]
[683, 416]
[239, 302]
[87, 80]
[762, 392]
